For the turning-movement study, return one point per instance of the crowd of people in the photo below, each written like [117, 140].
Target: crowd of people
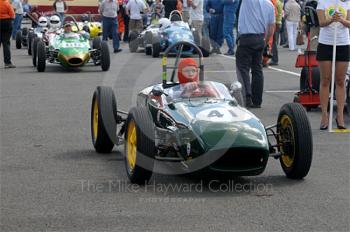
[260, 26]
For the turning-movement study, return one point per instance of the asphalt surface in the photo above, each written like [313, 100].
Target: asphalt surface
[53, 180]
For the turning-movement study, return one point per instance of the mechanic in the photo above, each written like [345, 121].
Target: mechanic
[189, 79]
[18, 8]
[134, 9]
[7, 15]
[230, 8]
[196, 15]
[256, 24]
[109, 11]
[216, 8]
[329, 17]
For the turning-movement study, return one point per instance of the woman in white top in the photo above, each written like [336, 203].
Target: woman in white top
[60, 8]
[330, 17]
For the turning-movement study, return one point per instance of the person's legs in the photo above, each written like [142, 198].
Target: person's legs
[326, 75]
[340, 73]
[228, 31]
[126, 32]
[243, 62]
[295, 33]
[257, 76]
[290, 35]
[274, 58]
[115, 36]
[213, 31]
[105, 28]
[198, 26]
[15, 26]
[206, 24]
[220, 35]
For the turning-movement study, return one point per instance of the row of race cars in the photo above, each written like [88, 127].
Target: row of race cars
[48, 43]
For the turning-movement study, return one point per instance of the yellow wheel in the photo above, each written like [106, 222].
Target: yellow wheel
[295, 140]
[103, 123]
[139, 147]
[131, 146]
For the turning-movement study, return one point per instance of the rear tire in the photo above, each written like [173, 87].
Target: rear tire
[41, 50]
[105, 56]
[133, 42]
[295, 137]
[139, 145]
[19, 39]
[103, 121]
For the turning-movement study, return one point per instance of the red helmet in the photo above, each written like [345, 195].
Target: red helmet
[185, 63]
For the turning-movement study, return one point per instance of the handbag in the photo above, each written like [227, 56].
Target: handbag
[300, 38]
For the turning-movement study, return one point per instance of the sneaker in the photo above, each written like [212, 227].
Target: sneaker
[116, 50]
[230, 53]
[273, 63]
[218, 51]
[10, 66]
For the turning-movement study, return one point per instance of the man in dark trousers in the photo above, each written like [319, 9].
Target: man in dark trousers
[169, 6]
[7, 15]
[256, 24]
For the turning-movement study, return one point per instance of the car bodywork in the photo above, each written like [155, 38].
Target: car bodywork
[173, 131]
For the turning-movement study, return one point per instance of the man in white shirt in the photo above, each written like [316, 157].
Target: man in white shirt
[196, 16]
[134, 9]
[18, 8]
[186, 4]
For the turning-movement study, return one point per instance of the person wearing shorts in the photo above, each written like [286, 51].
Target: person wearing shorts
[330, 17]
[134, 9]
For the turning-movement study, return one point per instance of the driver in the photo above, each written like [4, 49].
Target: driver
[68, 31]
[188, 77]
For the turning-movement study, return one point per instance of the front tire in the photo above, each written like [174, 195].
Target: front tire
[139, 145]
[96, 43]
[295, 139]
[41, 50]
[19, 39]
[105, 56]
[35, 50]
[155, 47]
[103, 121]
[133, 43]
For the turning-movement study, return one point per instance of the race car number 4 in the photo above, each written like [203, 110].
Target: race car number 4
[223, 115]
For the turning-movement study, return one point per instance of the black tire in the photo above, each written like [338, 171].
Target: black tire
[304, 80]
[35, 50]
[140, 122]
[133, 42]
[96, 43]
[19, 39]
[30, 40]
[41, 52]
[155, 47]
[103, 119]
[295, 137]
[205, 47]
[148, 42]
[105, 56]
[25, 32]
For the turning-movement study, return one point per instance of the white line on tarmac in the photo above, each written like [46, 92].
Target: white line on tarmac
[272, 68]
[281, 91]
[220, 71]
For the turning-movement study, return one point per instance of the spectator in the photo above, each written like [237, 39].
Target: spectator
[126, 20]
[216, 8]
[186, 10]
[230, 8]
[158, 8]
[109, 11]
[18, 8]
[206, 20]
[279, 8]
[169, 6]
[292, 14]
[26, 7]
[196, 15]
[314, 25]
[134, 9]
[7, 15]
[60, 8]
[329, 17]
[256, 25]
